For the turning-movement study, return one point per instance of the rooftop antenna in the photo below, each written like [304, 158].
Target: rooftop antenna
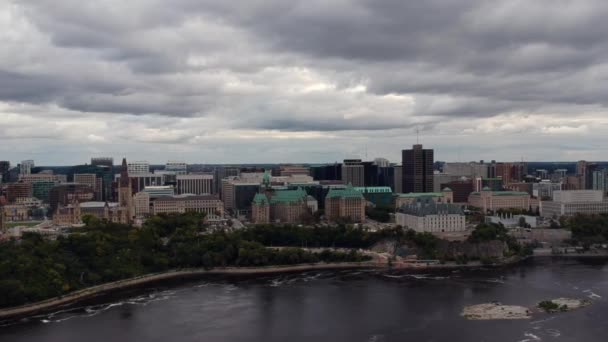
[417, 136]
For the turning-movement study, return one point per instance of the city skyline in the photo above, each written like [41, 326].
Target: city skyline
[288, 82]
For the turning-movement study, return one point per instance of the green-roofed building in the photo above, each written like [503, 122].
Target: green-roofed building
[380, 196]
[285, 206]
[260, 209]
[345, 203]
[446, 196]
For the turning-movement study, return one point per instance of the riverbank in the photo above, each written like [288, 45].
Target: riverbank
[87, 293]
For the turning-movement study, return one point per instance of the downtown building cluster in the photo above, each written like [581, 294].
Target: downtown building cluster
[421, 193]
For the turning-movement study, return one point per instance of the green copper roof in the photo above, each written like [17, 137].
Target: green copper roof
[374, 189]
[260, 199]
[348, 192]
[288, 196]
[421, 194]
[505, 193]
[511, 193]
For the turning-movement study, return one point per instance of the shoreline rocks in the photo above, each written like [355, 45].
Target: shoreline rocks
[495, 311]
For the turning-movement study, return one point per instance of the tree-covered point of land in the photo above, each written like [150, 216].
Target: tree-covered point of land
[34, 268]
[587, 229]
[491, 231]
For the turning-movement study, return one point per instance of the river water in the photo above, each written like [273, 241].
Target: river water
[339, 306]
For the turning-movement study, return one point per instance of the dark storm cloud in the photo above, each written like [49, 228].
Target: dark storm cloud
[295, 125]
[30, 88]
[457, 59]
[529, 52]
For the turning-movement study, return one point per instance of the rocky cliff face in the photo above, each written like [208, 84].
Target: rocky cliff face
[490, 249]
[446, 249]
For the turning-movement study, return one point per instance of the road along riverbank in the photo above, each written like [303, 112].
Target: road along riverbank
[80, 295]
[93, 291]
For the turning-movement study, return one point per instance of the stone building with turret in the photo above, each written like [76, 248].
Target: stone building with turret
[345, 203]
[279, 205]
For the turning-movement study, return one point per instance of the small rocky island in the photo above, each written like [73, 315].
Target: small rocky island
[498, 311]
[562, 305]
[493, 311]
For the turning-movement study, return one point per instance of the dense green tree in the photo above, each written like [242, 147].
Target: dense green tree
[34, 268]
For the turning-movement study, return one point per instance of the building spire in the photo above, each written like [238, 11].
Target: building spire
[124, 174]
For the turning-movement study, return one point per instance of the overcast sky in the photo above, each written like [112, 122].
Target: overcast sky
[302, 81]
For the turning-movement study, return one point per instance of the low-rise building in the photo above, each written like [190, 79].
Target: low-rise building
[159, 190]
[446, 196]
[545, 188]
[67, 215]
[109, 211]
[572, 202]
[72, 213]
[211, 205]
[380, 196]
[427, 215]
[488, 200]
[513, 221]
[18, 190]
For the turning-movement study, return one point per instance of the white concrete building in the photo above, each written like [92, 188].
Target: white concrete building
[26, 166]
[512, 221]
[180, 168]
[545, 189]
[142, 180]
[568, 203]
[382, 162]
[211, 205]
[157, 191]
[197, 184]
[138, 167]
[426, 215]
[470, 169]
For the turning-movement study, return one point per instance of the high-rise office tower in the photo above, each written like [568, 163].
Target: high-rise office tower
[26, 166]
[5, 166]
[180, 168]
[138, 167]
[353, 172]
[196, 184]
[105, 165]
[417, 169]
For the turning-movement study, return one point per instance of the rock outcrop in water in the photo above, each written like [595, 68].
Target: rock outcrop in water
[563, 304]
[493, 311]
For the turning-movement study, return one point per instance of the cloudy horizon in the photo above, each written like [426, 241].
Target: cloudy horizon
[302, 81]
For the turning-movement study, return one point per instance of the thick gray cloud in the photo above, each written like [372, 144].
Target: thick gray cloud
[174, 76]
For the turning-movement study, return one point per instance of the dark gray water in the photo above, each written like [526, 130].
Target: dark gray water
[340, 306]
